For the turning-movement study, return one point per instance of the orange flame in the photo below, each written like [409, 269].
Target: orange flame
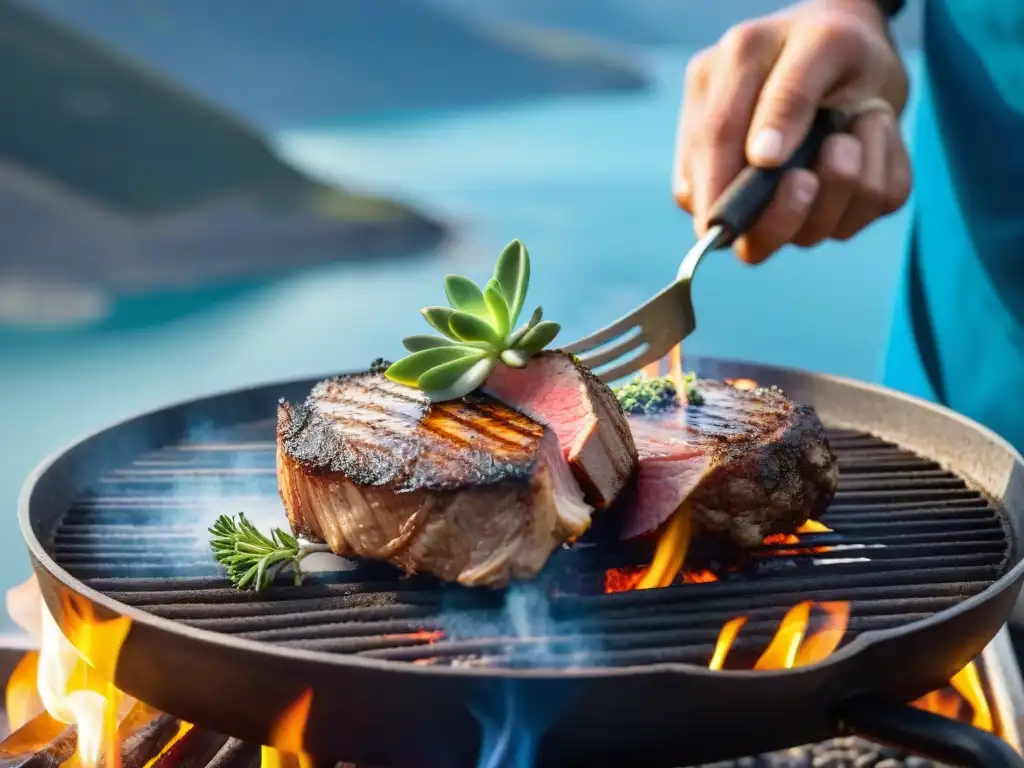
[671, 551]
[287, 735]
[964, 688]
[725, 640]
[22, 696]
[675, 369]
[75, 677]
[942, 702]
[824, 641]
[791, 646]
[651, 370]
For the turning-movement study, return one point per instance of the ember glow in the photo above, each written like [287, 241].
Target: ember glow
[75, 677]
[183, 728]
[793, 540]
[423, 636]
[744, 384]
[287, 735]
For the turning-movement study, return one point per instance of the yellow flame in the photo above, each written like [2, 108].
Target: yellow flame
[967, 683]
[22, 698]
[813, 526]
[286, 737]
[725, 640]
[183, 728]
[671, 551]
[823, 642]
[782, 651]
[75, 674]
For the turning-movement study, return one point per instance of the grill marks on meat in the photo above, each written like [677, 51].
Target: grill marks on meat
[582, 411]
[470, 490]
[752, 463]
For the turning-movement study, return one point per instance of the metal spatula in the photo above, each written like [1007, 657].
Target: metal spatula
[647, 333]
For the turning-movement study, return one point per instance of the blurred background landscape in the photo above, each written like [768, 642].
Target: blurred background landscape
[196, 196]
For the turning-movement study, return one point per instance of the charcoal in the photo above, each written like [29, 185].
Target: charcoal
[848, 752]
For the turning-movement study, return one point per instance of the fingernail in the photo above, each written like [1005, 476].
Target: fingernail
[680, 188]
[847, 158]
[805, 188]
[766, 146]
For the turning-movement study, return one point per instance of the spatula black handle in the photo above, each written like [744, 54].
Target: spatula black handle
[744, 200]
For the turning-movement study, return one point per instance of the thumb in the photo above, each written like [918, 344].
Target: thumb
[805, 73]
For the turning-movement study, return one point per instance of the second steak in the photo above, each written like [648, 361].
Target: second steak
[750, 463]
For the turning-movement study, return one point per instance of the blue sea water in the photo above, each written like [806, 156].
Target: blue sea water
[584, 181]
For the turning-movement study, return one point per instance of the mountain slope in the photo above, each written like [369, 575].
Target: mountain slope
[112, 177]
[691, 23]
[279, 63]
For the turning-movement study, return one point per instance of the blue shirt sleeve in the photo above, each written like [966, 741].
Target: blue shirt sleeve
[957, 332]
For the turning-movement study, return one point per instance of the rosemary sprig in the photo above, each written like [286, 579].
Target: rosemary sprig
[253, 559]
[478, 330]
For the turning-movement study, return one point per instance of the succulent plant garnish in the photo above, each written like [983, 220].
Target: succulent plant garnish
[476, 332]
[656, 394]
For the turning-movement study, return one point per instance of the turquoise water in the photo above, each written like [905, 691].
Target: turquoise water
[583, 181]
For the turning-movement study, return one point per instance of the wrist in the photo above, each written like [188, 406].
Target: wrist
[870, 11]
[890, 8]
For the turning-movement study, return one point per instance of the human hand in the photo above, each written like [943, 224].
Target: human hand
[752, 97]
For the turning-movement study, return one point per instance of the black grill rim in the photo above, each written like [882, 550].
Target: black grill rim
[801, 386]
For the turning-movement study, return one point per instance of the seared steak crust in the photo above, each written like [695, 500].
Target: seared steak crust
[470, 490]
[377, 432]
[763, 463]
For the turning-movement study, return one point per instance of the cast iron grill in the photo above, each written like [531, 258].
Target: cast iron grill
[910, 540]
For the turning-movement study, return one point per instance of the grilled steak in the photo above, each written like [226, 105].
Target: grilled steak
[751, 463]
[582, 411]
[470, 491]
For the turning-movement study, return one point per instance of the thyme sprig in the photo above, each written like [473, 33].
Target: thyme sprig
[252, 558]
[476, 332]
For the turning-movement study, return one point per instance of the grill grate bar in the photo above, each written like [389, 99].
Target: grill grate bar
[847, 561]
[216, 590]
[382, 632]
[871, 533]
[909, 539]
[553, 645]
[929, 539]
